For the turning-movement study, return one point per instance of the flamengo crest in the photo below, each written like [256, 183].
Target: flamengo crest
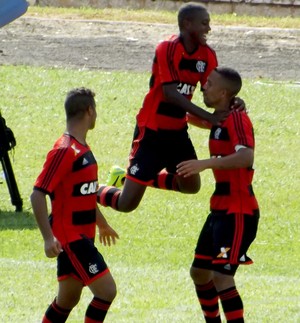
[201, 66]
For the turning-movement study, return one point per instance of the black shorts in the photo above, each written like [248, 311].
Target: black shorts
[152, 151]
[224, 241]
[81, 260]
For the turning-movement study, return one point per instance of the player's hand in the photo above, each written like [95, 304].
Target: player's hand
[52, 248]
[191, 167]
[107, 235]
[238, 104]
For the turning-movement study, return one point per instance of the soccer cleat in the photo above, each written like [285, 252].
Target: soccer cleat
[116, 176]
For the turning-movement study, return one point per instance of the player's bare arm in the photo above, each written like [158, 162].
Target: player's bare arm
[241, 159]
[107, 235]
[198, 122]
[173, 96]
[52, 246]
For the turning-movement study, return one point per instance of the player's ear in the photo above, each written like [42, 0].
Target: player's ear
[186, 23]
[226, 94]
[90, 109]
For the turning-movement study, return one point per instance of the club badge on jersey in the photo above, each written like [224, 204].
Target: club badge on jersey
[11, 10]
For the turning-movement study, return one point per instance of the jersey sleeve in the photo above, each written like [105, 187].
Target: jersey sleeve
[165, 62]
[56, 166]
[241, 129]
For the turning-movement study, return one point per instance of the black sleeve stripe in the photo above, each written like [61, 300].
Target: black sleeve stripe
[53, 167]
[170, 58]
[238, 123]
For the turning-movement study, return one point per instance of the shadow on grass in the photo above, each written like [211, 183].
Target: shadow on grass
[17, 221]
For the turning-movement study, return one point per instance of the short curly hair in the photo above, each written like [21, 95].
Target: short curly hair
[78, 101]
[188, 11]
[232, 79]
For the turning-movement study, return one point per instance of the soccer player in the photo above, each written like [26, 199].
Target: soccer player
[161, 138]
[232, 223]
[69, 177]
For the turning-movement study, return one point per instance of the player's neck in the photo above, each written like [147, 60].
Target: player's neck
[78, 133]
[188, 44]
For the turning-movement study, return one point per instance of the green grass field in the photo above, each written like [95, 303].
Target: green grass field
[151, 260]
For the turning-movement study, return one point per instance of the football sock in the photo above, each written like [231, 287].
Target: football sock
[96, 311]
[232, 305]
[56, 314]
[208, 299]
[166, 181]
[108, 196]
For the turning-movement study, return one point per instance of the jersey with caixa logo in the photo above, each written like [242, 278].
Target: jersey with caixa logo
[172, 64]
[69, 177]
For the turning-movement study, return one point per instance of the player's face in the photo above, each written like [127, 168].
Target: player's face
[199, 27]
[213, 90]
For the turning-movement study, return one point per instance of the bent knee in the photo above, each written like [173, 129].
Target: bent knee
[111, 293]
[190, 190]
[107, 290]
[223, 281]
[69, 302]
[195, 273]
[200, 276]
[127, 205]
[190, 186]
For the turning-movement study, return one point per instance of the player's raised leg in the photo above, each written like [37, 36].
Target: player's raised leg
[125, 200]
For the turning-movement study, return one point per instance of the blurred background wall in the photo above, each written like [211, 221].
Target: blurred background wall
[267, 8]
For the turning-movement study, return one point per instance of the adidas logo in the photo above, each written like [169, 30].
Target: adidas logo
[85, 161]
[243, 258]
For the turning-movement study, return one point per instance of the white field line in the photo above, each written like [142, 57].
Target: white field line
[7, 262]
[120, 268]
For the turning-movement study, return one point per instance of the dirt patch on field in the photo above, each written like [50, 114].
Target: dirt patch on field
[105, 45]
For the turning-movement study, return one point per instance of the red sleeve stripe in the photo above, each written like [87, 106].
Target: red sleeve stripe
[53, 167]
[170, 58]
[238, 123]
[76, 263]
[238, 237]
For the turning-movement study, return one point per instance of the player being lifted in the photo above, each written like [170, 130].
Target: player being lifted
[161, 139]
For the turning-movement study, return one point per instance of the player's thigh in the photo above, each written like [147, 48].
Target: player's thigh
[176, 147]
[179, 148]
[104, 287]
[131, 194]
[145, 160]
[223, 281]
[69, 292]
[201, 276]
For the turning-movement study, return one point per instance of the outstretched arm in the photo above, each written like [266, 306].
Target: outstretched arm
[198, 122]
[240, 159]
[174, 97]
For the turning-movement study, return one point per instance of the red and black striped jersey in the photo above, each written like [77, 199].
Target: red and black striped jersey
[233, 191]
[70, 177]
[172, 64]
